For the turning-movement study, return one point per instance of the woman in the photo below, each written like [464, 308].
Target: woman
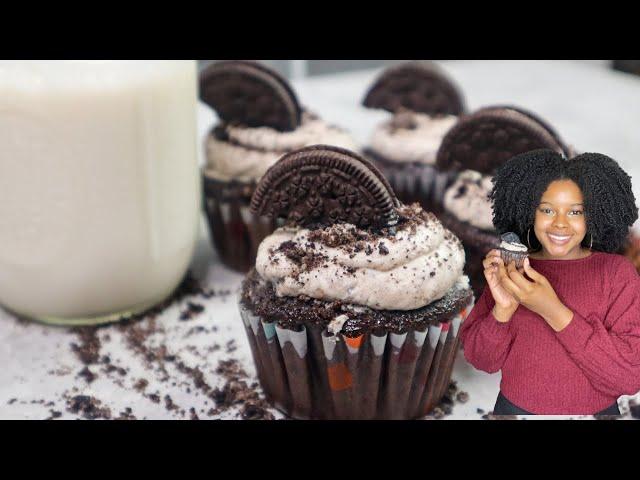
[565, 328]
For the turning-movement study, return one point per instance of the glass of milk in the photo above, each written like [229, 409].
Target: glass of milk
[99, 186]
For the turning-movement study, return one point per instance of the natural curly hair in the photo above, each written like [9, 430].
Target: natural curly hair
[609, 202]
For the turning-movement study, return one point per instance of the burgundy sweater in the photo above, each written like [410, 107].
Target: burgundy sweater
[584, 368]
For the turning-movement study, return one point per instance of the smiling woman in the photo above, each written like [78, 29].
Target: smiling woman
[570, 315]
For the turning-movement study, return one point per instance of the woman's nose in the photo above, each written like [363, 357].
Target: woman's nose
[560, 220]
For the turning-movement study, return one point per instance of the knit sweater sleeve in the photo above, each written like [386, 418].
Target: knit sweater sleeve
[486, 341]
[607, 349]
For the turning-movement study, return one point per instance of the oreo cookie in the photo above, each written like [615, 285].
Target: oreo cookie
[250, 94]
[417, 86]
[321, 185]
[486, 139]
[536, 118]
[510, 237]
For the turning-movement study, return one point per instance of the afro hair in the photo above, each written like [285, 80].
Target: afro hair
[609, 202]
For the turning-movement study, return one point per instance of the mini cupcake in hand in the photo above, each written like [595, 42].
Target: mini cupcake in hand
[354, 307]
[260, 119]
[512, 250]
[425, 104]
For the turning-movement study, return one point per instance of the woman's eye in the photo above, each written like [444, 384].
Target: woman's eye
[576, 212]
[546, 211]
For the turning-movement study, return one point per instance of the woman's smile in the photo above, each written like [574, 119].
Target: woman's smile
[558, 239]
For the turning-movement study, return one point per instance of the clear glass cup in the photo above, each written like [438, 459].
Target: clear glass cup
[99, 186]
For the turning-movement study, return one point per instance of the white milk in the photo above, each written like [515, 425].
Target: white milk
[99, 185]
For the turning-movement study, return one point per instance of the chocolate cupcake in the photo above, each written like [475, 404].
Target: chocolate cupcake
[354, 307]
[471, 152]
[511, 250]
[260, 119]
[425, 104]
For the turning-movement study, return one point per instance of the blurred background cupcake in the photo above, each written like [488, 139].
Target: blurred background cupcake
[471, 152]
[354, 307]
[425, 104]
[260, 119]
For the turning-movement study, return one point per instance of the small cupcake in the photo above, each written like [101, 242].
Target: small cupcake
[472, 151]
[260, 120]
[511, 250]
[425, 104]
[354, 306]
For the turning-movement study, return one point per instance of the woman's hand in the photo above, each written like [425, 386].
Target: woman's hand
[506, 303]
[536, 294]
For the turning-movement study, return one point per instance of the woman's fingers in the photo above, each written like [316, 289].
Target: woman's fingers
[507, 283]
[533, 275]
[518, 278]
[492, 260]
[491, 274]
[489, 262]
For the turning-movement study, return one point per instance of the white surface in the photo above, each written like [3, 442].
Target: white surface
[593, 109]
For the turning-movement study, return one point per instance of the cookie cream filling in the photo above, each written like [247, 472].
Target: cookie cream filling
[410, 270]
[247, 153]
[468, 199]
[411, 137]
[513, 247]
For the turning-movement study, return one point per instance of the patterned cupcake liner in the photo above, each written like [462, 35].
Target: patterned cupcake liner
[414, 182]
[313, 374]
[236, 232]
[508, 256]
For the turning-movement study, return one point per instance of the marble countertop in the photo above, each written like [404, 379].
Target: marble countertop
[594, 109]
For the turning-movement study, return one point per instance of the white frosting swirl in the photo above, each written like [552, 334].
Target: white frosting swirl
[468, 199]
[249, 152]
[415, 268]
[411, 137]
[513, 247]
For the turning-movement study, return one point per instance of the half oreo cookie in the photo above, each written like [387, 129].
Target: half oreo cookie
[421, 87]
[322, 185]
[486, 139]
[250, 94]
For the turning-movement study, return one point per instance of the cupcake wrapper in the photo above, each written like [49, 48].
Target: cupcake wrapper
[312, 374]
[508, 257]
[236, 232]
[414, 182]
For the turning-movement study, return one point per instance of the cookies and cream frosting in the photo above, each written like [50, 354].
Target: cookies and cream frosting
[411, 137]
[409, 269]
[247, 153]
[468, 199]
[513, 247]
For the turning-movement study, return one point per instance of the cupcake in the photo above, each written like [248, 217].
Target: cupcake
[260, 119]
[472, 151]
[511, 250]
[425, 104]
[355, 303]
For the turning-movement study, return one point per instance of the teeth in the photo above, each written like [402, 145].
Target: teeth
[559, 238]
